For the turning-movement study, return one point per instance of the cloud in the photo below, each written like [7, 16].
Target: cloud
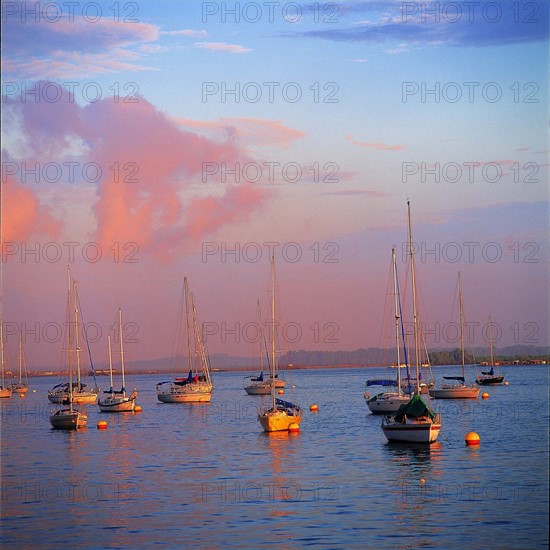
[458, 24]
[150, 191]
[186, 32]
[377, 146]
[73, 46]
[222, 47]
[357, 193]
[254, 132]
[22, 214]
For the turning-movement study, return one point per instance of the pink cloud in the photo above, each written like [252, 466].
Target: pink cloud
[252, 131]
[222, 47]
[377, 146]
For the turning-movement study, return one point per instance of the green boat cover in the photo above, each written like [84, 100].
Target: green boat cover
[415, 408]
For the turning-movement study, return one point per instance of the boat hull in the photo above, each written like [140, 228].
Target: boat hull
[190, 393]
[20, 389]
[5, 392]
[385, 403]
[489, 380]
[117, 404]
[260, 389]
[78, 397]
[411, 431]
[278, 421]
[68, 420]
[455, 392]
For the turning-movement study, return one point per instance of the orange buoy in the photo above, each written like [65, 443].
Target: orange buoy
[471, 439]
[21, 395]
[137, 408]
[281, 392]
[506, 383]
[314, 407]
[102, 425]
[485, 395]
[294, 427]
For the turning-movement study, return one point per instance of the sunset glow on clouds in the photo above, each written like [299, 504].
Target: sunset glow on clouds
[312, 136]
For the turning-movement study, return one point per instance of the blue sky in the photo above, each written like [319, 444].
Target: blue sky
[359, 55]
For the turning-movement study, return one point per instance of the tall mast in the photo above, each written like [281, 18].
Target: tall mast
[2, 349]
[491, 340]
[461, 309]
[69, 339]
[110, 362]
[397, 318]
[415, 314]
[76, 337]
[20, 357]
[273, 329]
[121, 350]
[186, 298]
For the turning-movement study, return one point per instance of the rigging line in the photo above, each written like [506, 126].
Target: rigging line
[86, 336]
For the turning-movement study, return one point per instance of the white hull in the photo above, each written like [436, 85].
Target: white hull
[385, 403]
[195, 392]
[68, 420]
[413, 430]
[5, 392]
[60, 397]
[258, 389]
[455, 392]
[278, 420]
[20, 388]
[118, 403]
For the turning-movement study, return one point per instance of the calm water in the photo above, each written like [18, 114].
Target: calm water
[205, 475]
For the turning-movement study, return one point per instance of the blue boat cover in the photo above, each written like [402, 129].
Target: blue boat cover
[381, 382]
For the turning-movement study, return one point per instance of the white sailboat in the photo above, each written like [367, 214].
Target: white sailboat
[112, 400]
[79, 391]
[259, 385]
[414, 422]
[389, 401]
[69, 418]
[280, 414]
[5, 391]
[457, 390]
[197, 387]
[21, 387]
[490, 377]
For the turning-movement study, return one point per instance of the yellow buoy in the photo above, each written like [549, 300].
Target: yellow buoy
[294, 427]
[314, 407]
[137, 408]
[506, 383]
[485, 395]
[471, 439]
[422, 480]
[281, 392]
[102, 425]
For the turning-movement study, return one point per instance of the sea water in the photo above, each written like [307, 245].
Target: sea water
[179, 475]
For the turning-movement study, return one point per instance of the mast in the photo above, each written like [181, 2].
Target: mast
[415, 314]
[259, 321]
[20, 358]
[2, 349]
[273, 329]
[397, 318]
[69, 340]
[76, 339]
[121, 351]
[490, 340]
[186, 298]
[110, 362]
[461, 309]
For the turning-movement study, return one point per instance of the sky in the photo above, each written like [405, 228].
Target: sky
[143, 142]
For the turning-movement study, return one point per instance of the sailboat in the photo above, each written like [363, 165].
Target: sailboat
[389, 401]
[60, 392]
[69, 418]
[197, 387]
[490, 378]
[117, 401]
[21, 387]
[280, 414]
[460, 390]
[4, 391]
[414, 421]
[259, 385]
